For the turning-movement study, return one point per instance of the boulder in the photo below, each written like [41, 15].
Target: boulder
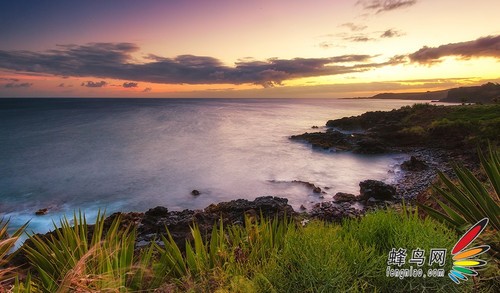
[42, 212]
[195, 192]
[414, 164]
[344, 197]
[268, 206]
[376, 189]
[157, 212]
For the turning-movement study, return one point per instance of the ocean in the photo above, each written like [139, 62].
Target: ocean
[134, 154]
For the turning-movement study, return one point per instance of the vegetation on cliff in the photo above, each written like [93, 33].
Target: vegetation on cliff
[429, 125]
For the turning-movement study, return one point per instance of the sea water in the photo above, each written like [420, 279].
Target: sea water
[134, 154]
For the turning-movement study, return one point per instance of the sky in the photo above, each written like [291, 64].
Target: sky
[251, 49]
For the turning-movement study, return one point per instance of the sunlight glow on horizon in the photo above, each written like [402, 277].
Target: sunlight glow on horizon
[230, 31]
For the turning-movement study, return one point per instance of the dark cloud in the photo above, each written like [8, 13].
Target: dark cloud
[391, 33]
[130, 84]
[95, 84]
[354, 27]
[146, 90]
[114, 61]
[483, 47]
[9, 79]
[13, 85]
[385, 5]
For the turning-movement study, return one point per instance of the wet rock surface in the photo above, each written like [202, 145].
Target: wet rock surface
[334, 212]
[377, 190]
[344, 197]
[42, 212]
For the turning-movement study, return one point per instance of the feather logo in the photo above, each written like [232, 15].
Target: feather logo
[464, 262]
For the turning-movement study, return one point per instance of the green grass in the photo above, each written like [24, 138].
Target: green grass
[474, 113]
[267, 255]
[467, 125]
[353, 257]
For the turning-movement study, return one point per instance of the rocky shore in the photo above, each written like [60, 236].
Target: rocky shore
[403, 130]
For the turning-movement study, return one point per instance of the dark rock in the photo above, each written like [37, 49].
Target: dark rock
[315, 127]
[376, 189]
[344, 197]
[369, 146]
[414, 164]
[314, 188]
[127, 220]
[233, 212]
[326, 140]
[157, 212]
[268, 206]
[195, 192]
[302, 207]
[332, 212]
[42, 212]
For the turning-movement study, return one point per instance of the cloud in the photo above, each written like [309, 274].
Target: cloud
[67, 85]
[130, 84]
[354, 27]
[114, 61]
[366, 36]
[325, 45]
[360, 38]
[483, 47]
[94, 84]
[146, 90]
[391, 33]
[13, 85]
[385, 5]
[9, 79]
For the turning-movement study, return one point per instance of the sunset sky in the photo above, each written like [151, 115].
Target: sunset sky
[260, 48]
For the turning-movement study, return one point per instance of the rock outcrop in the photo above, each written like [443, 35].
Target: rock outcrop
[377, 190]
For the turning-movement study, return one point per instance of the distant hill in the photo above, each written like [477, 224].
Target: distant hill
[487, 93]
[435, 95]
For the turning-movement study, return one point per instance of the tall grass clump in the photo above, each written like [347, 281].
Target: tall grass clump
[230, 258]
[7, 243]
[77, 258]
[469, 200]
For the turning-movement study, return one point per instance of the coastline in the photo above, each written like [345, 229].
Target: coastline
[408, 186]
